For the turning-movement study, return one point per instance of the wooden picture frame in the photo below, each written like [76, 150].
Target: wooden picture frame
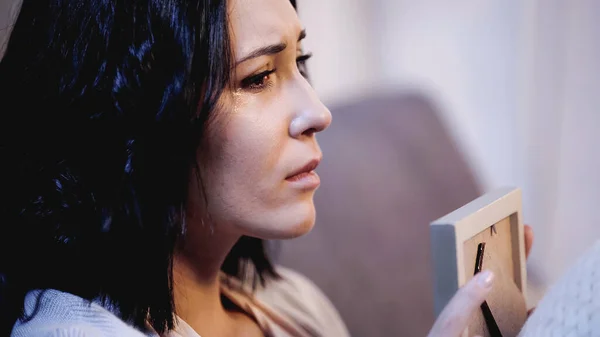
[493, 220]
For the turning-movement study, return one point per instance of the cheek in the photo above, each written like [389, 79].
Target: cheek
[247, 170]
[249, 154]
[252, 146]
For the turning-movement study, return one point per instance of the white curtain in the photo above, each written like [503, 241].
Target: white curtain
[517, 81]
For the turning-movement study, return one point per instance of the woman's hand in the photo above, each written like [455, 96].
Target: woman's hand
[455, 317]
[528, 244]
[453, 320]
[528, 240]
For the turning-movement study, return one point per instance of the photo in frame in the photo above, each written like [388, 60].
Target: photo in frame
[486, 233]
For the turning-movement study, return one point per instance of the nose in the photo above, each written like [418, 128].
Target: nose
[311, 115]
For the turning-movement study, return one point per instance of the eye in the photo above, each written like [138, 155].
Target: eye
[258, 81]
[301, 63]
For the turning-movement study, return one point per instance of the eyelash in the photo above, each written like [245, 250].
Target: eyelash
[301, 63]
[261, 81]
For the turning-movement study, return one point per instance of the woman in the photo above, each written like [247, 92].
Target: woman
[152, 145]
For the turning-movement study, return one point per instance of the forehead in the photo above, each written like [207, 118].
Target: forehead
[256, 23]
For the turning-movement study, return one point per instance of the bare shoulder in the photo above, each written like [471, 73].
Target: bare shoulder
[299, 298]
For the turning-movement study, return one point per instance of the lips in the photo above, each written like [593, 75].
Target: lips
[304, 170]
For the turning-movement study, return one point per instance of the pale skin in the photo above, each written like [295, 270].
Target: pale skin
[261, 135]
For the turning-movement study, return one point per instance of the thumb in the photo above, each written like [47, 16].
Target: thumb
[453, 320]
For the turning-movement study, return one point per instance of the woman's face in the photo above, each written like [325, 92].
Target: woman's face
[258, 161]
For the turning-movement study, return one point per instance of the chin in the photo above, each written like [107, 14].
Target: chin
[288, 223]
[298, 229]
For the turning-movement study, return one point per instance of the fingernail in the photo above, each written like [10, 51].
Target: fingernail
[486, 278]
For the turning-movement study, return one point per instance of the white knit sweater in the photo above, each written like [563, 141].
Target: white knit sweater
[571, 308]
[62, 314]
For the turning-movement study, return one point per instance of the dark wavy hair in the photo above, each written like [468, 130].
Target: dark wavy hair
[105, 104]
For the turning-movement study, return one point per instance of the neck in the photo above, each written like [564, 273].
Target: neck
[196, 268]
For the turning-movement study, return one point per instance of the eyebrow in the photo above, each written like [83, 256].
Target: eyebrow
[270, 49]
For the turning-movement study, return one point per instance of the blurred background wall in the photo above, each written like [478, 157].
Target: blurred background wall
[517, 83]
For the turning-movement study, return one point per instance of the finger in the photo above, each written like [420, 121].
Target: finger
[528, 239]
[455, 317]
